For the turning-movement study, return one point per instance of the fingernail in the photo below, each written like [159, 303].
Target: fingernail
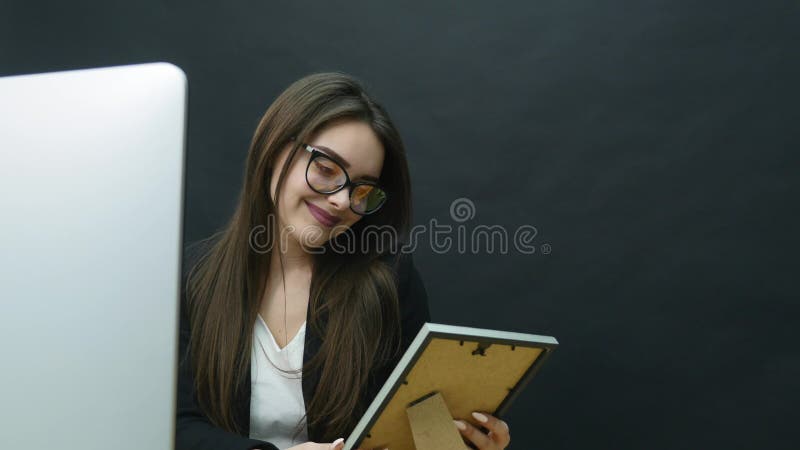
[460, 425]
[480, 417]
[505, 425]
[336, 443]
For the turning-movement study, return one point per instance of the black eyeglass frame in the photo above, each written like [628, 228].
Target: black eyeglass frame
[316, 153]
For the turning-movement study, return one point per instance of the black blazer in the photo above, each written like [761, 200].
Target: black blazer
[193, 431]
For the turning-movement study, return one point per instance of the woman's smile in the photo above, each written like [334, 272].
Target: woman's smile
[322, 217]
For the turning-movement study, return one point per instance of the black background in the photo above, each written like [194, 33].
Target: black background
[653, 144]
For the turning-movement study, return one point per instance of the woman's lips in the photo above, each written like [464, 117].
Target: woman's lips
[321, 216]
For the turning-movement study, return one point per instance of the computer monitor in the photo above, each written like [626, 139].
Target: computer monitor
[91, 198]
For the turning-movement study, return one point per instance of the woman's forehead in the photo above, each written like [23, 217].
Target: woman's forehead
[355, 143]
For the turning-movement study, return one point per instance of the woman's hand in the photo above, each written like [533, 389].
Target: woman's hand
[498, 437]
[335, 445]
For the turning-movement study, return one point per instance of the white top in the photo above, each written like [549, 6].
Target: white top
[276, 398]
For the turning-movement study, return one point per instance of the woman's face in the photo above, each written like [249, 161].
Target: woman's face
[302, 212]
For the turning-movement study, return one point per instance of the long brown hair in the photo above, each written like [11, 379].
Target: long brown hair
[353, 303]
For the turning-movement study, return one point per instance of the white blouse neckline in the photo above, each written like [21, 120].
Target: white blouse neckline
[275, 345]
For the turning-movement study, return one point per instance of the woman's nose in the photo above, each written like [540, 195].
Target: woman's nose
[340, 200]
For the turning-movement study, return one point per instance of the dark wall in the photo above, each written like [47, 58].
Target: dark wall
[653, 145]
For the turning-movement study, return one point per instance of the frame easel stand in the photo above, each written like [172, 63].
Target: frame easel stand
[432, 424]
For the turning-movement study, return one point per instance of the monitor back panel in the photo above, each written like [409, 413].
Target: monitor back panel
[91, 196]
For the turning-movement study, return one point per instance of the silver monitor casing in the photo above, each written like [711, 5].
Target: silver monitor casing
[91, 199]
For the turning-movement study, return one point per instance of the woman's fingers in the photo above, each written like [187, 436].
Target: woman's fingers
[475, 435]
[322, 446]
[498, 429]
[499, 435]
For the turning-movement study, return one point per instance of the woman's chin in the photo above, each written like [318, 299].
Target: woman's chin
[311, 237]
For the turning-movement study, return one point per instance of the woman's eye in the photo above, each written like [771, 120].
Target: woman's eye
[325, 169]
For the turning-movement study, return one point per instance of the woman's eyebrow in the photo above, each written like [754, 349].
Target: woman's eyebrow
[343, 162]
[335, 156]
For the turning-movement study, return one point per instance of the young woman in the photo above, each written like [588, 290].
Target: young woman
[292, 318]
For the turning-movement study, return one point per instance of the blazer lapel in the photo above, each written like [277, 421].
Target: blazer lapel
[311, 380]
[241, 406]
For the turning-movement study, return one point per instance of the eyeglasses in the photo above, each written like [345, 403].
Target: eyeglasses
[326, 176]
